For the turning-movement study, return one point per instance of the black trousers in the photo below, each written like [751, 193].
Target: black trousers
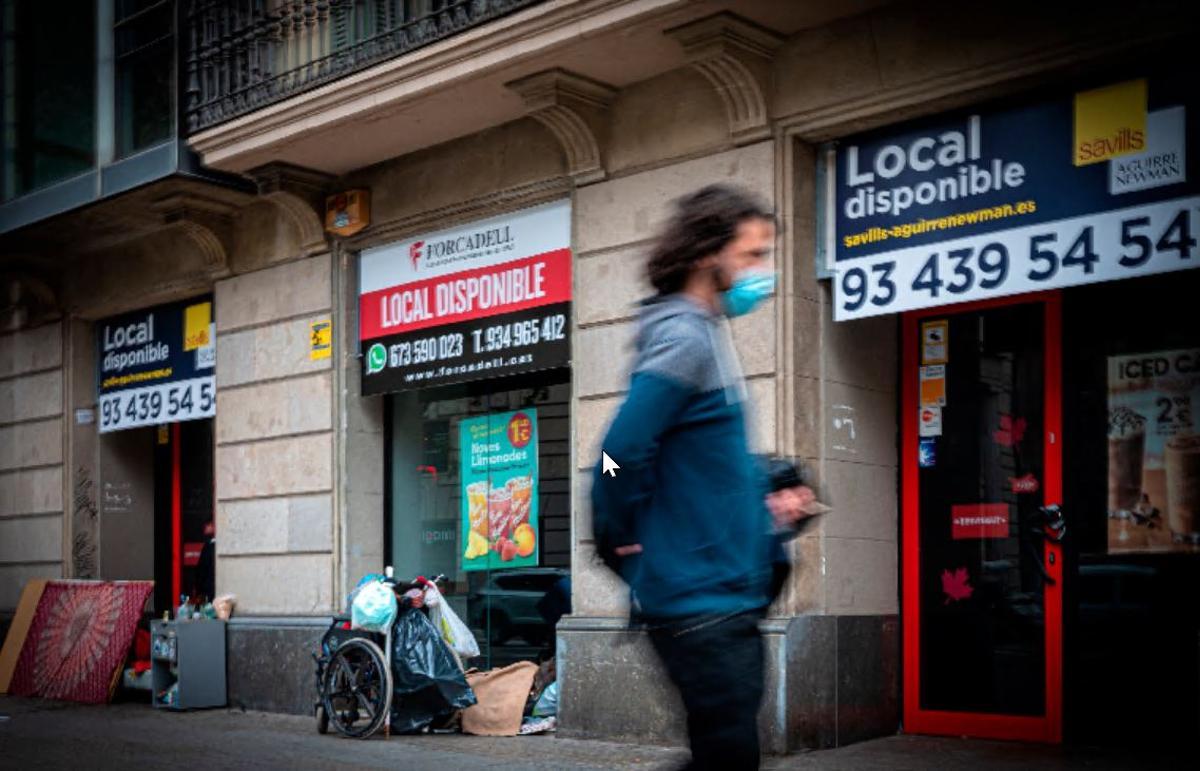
[716, 662]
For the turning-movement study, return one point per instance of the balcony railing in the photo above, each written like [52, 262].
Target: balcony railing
[242, 55]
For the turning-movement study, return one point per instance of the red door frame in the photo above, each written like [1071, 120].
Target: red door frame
[176, 516]
[1048, 727]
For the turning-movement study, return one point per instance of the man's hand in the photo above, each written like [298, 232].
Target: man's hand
[787, 505]
[625, 551]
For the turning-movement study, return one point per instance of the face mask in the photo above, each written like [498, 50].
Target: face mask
[749, 289]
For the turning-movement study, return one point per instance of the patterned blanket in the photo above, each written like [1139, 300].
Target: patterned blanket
[79, 638]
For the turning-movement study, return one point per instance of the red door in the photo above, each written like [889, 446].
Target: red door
[982, 567]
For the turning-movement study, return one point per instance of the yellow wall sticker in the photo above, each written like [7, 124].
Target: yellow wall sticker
[196, 320]
[320, 339]
[1110, 122]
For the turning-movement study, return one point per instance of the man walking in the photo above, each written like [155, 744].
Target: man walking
[687, 521]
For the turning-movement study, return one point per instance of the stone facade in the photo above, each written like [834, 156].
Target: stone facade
[299, 454]
[274, 440]
[32, 495]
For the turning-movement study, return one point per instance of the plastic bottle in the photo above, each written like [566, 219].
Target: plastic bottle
[184, 611]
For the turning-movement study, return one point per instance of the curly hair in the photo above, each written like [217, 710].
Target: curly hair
[702, 224]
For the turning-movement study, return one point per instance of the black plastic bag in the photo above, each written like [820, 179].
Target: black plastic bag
[427, 684]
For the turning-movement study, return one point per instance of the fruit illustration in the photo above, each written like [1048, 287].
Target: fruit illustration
[477, 546]
[508, 550]
[525, 539]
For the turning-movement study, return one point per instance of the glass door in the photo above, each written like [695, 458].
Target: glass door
[981, 529]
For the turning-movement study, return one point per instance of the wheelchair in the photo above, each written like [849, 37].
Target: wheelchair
[354, 671]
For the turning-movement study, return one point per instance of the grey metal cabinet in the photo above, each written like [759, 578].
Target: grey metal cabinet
[188, 663]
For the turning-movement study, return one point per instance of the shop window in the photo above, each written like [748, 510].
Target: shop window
[479, 490]
[1131, 487]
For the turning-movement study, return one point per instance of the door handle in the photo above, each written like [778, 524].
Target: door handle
[1054, 524]
[1047, 525]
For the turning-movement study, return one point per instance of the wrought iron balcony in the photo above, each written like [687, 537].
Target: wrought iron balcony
[242, 55]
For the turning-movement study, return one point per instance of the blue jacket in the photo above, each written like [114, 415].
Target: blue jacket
[688, 484]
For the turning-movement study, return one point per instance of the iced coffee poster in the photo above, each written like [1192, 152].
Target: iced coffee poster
[499, 498]
[1154, 451]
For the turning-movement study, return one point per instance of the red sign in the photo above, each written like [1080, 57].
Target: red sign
[520, 430]
[979, 520]
[1024, 484]
[191, 553]
[473, 294]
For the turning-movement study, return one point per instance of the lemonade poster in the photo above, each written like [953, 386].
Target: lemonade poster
[499, 455]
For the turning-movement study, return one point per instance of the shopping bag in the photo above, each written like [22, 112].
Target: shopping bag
[454, 631]
[501, 695]
[373, 608]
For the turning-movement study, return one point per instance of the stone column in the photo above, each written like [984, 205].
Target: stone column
[611, 683]
[360, 434]
[275, 477]
[31, 459]
[843, 652]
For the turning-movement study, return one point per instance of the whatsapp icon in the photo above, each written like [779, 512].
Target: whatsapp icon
[376, 358]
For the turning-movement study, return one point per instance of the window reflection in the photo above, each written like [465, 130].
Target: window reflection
[48, 88]
[511, 610]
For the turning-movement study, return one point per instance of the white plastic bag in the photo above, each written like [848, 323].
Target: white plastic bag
[547, 703]
[374, 607]
[454, 631]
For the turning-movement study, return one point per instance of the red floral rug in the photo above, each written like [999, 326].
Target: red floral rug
[80, 636]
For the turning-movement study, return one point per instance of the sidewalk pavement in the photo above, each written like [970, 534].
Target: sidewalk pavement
[43, 734]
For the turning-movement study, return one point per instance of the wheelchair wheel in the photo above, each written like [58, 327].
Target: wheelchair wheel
[356, 689]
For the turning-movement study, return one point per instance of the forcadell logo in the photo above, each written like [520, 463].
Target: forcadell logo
[414, 252]
[376, 358]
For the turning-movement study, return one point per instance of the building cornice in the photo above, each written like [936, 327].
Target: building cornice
[962, 86]
[491, 48]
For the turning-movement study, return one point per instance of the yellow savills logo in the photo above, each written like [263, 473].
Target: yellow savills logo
[1110, 122]
[196, 319]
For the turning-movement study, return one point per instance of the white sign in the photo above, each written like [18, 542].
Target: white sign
[1137, 241]
[206, 355]
[479, 244]
[1162, 164]
[160, 403]
[929, 421]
